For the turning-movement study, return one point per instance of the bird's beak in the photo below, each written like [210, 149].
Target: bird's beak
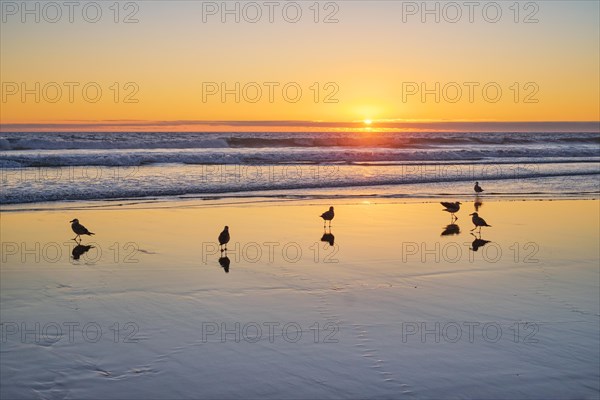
[72, 220]
[471, 214]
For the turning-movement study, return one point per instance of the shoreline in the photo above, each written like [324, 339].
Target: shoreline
[230, 199]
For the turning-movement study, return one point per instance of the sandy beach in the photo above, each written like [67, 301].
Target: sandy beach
[392, 309]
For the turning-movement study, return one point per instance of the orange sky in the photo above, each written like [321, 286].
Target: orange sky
[379, 62]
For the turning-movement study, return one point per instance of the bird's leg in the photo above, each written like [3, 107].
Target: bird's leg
[473, 229]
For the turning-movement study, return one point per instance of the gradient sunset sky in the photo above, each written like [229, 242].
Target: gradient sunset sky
[365, 60]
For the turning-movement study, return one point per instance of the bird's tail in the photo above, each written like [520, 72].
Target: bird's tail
[91, 233]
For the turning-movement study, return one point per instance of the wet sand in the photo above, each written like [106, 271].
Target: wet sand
[392, 309]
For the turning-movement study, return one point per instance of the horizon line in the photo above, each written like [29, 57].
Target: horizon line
[375, 125]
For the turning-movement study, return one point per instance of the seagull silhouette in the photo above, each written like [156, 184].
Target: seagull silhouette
[451, 208]
[224, 238]
[478, 188]
[328, 216]
[79, 229]
[478, 221]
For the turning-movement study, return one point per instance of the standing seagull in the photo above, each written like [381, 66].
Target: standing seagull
[478, 221]
[452, 208]
[328, 216]
[224, 238]
[478, 188]
[79, 229]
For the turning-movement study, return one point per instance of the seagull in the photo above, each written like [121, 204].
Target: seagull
[328, 216]
[478, 188]
[451, 207]
[478, 221]
[79, 229]
[224, 238]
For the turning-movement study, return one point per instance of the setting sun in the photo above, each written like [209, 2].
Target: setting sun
[368, 122]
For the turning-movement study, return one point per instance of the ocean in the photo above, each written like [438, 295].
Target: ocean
[140, 166]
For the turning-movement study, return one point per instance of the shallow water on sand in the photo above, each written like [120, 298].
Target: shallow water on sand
[392, 308]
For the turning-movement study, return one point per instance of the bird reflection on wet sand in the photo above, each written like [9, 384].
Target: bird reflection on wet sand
[478, 242]
[328, 237]
[477, 203]
[80, 250]
[451, 229]
[224, 262]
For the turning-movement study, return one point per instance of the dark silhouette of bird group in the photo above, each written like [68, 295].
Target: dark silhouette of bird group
[454, 207]
[225, 237]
